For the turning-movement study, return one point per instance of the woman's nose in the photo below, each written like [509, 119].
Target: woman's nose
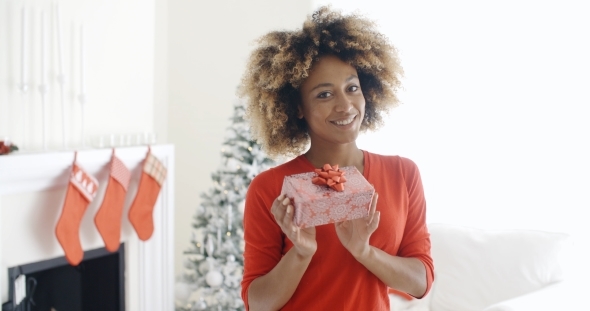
[344, 104]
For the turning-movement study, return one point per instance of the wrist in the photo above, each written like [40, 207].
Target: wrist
[304, 255]
[364, 253]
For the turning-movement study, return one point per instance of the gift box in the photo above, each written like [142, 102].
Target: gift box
[320, 204]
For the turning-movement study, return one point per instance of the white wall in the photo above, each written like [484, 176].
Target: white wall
[495, 109]
[209, 42]
[119, 46]
[121, 88]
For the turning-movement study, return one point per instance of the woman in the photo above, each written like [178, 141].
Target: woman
[310, 92]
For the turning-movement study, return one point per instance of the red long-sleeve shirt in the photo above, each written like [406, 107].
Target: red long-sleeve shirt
[334, 280]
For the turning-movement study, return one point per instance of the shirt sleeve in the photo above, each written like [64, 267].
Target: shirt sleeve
[416, 240]
[262, 235]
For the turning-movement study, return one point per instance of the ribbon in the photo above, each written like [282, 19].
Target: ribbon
[330, 176]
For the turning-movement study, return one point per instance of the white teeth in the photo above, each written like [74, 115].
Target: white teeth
[344, 122]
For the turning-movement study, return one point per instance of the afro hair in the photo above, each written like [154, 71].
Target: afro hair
[282, 61]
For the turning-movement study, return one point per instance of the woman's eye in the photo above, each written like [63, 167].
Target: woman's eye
[353, 88]
[324, 95]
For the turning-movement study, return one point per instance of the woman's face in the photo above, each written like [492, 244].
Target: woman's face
[333, 104]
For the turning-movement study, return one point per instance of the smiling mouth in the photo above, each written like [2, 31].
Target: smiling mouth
[344, 122]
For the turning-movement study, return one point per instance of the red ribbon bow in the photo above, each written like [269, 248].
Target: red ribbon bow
[330, 176]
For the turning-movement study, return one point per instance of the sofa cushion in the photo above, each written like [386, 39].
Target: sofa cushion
[475, 268]
[564, 295]
[399, 303]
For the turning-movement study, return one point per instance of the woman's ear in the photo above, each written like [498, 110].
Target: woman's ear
[299, 112]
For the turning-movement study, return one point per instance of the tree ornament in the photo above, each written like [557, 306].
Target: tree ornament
[214, 278]
[182, 291]
[200, 210]
[204, 267]
[210, 246]
[200, 305]
[229, 216]
[218, 238]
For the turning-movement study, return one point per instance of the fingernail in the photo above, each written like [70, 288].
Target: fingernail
[281, 197]
[293, 228]
[289, 209]
[286, 201]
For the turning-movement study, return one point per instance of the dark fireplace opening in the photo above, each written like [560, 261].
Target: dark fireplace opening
[96, 284]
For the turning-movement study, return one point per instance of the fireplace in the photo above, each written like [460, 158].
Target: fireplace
[96, 284]
[32, 188]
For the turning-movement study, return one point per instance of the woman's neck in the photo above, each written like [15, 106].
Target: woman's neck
[343, 155]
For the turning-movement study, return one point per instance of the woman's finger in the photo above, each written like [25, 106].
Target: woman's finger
[275, 203]
[375, 223]
[278, 208]
[288, 218]
[372, 208]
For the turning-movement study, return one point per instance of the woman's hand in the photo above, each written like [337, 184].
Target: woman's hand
[303, 239]
[354, 234]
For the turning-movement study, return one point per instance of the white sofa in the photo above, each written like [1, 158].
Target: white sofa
[498, 270]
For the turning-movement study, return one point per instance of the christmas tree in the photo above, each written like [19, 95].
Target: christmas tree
[214, 263]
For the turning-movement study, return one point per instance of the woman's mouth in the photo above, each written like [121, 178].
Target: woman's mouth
[344, 122]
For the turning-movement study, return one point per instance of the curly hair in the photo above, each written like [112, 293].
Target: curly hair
[283, 59]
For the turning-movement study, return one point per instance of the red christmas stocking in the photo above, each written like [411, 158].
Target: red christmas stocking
[82, 188]
[108, 218]
[142, 208]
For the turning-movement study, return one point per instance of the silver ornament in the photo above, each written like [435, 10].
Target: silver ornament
[210, 245]
[199, 305]
[214, 278]
[204, 267]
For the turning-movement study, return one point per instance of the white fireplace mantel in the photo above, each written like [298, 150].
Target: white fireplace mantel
[149, 266]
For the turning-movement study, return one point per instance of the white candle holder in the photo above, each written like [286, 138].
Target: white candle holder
[82, 96]
[61, 77]
[43, 87]
[23, 86]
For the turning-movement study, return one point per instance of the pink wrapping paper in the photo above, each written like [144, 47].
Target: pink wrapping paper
[319, 205]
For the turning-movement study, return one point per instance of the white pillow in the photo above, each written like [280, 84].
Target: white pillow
[475, 268]
[398, 303]
[559, 296]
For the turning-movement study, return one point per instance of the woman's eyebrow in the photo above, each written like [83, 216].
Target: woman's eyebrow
[322, 85]
[352, 77]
